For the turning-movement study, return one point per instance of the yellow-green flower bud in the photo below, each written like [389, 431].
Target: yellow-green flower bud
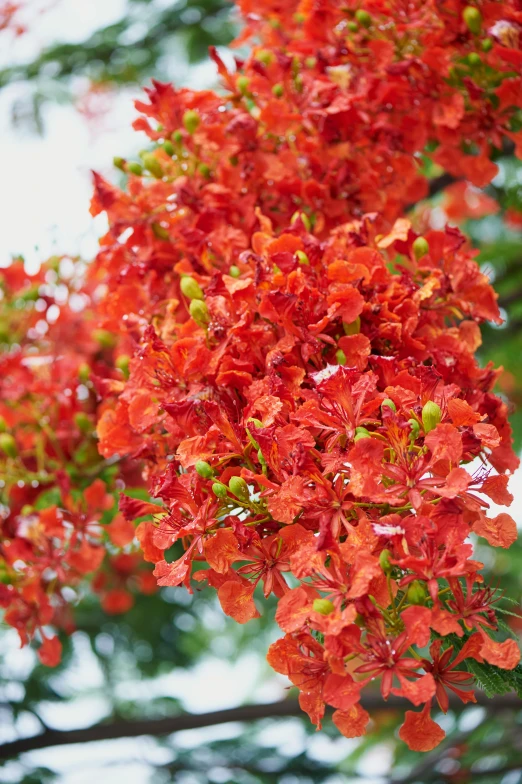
[8, 445]
[323, 606]
[487, 45]
[431, 416]
[123, 363]
[84, 371]
[191, 120]
[474, 59]
[119, 163]
[152, 165]
[104, 338]
[352, 327]
[135, 168]
[415, 429]
[384, 561]
[3, 425]
[199, 312]
[472, 18]
[234, 271]
[243, 83]
[264, 56]
[168, 147]
[191, 288]
[239, 488]
[204, 469]
[416, 593]
[302, 258]
[160, 231]
[363, 17]
[389, 404]
[278, 90]
[340, 356]
[220, 490]
[83, 423]
[420, 247]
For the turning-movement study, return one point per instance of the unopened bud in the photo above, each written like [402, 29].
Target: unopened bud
[160, 231]
[104, 338]
[340, 356]
[220, 490]
[199, 312]
[302, 258]
[416, 593]
[363, 17]
[8, 445]
[135, 168]
[204, 469]
[234, 271]
[84, 372]
[122, 363]
[277, 90]
[168, 147]
[239, 488]
[323, 606]
[152, 165]
[420, 247]
[415, 429]
[243, 83]
[3, 425]
[384, 561]
[487, 45]
[431, 416]
[82, 422]
[119, 163]
[264, 56]
[191, 120]
[191, 288]
[472, 18]
[352, 327]
[474, 59]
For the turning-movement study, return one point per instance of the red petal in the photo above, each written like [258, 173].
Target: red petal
[352, 722]
[420, 732]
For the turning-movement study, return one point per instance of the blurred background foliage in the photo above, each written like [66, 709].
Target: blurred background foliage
[172, 652]
[153, 39]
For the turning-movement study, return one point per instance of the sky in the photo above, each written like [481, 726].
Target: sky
[44, 201]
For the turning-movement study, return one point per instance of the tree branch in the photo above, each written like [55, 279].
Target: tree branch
[188, 721]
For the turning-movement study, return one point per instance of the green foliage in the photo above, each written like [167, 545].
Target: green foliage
[147, 42]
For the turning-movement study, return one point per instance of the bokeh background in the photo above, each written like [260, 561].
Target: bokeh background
[67, 84]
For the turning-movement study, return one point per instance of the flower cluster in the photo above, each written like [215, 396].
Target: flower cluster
[58, 508]
[300, 382]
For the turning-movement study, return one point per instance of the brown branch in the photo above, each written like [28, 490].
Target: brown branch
[438, 184]
[188, 721]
